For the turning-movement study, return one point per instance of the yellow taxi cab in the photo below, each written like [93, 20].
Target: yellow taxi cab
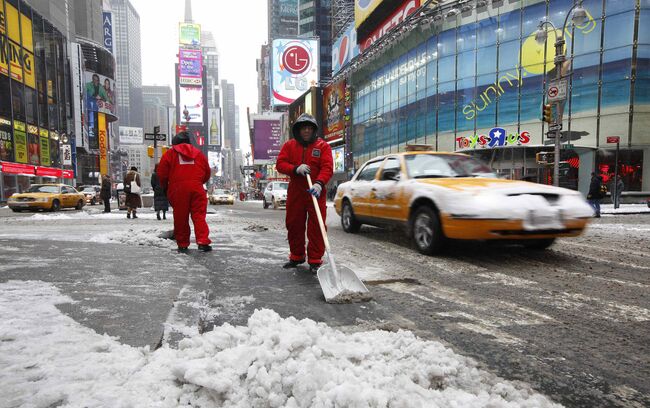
[437, 196]
[50, 197]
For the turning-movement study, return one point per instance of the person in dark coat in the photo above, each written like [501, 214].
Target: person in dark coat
[133, 201]
[105, 193]
[160, 202]
[596, 193]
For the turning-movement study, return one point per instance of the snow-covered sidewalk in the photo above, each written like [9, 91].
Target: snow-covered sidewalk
[624, 209]
[48, 359]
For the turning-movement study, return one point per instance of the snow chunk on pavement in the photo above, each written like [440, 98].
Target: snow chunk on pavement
[46, 359]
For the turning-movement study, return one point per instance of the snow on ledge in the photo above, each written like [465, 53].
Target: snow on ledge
[49, 359]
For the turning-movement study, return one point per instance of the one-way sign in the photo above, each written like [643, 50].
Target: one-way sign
[555, 127]
[161, 137]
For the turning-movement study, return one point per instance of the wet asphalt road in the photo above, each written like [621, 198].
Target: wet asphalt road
[572, 321]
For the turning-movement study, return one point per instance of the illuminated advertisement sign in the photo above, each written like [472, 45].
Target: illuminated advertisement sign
[214, 137]
[268, 134]
[406, 9]
[191, 102]
[103, 143]
[333, 110]
[131, 135]
[15, 28]
[338, 155]
[189, 34]
[345, 49]
[190, 67]
[108, 31]
[295, 68]
[100, 93]
[496, 137]
[363, 9]
[6, 142]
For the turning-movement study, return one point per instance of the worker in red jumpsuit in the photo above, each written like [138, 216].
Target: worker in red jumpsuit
[182, 171]
[305, 154]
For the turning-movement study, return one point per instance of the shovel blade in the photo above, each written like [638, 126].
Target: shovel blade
[349, 289]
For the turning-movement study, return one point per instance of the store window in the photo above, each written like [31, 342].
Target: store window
[630, 167]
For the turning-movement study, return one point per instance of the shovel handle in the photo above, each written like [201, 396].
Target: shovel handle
[318, 215]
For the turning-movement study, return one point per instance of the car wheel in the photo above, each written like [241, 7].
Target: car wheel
[427, 231]
[348, 220]
[264, 203]
[538, 244]
[79, 206]
[56, 206]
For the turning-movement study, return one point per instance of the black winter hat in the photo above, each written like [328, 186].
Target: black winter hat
[304, 119]
[181, 138]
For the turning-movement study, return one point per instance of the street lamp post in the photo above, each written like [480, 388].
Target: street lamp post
[578, 17]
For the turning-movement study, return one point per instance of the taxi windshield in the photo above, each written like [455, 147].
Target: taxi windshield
[43, 189]
[445, 165]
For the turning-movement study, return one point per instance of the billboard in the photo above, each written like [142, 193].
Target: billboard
[189, 34]
[108, 30]
[131, 135]
[190, 67]
[338, 156]
[214, 161]
[345, 48]
[334, 110]
[66, 152]
[103, 143]
[397, 17]
[267, 135]
[17, 45]
[100, 93]
[214, 137]
[363, 9]
[191, 102]
[294, 67]
[6, 141]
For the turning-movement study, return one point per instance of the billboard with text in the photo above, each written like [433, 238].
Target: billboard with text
[294, 69]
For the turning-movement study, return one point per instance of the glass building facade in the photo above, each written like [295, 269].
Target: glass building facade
[35, 102]
[477, 83]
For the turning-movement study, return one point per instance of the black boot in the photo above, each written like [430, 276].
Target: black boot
[134, 216]
[292, 264]
[313, 268]
[164, 215]
[205, 248]
[128, 215]
[158, 215]
[183, 250]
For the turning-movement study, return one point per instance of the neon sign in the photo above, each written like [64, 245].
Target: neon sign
[497, 137]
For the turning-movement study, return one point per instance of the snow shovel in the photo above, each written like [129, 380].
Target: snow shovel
[339, 284]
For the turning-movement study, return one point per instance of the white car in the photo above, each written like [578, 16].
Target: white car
[220, 196]
[275, 194]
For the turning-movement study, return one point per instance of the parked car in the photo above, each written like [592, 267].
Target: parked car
[91, 194]
[435, 196]
[51, 197]
[275, 194]
[220, 196]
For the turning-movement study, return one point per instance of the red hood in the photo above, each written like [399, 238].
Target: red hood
[187, 150]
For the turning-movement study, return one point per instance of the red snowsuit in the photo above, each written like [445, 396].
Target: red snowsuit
[318, 155]
[182, 171]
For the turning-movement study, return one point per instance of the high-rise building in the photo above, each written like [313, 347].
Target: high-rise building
[156, 101]
[211, 63]
[230, 126]
[283, 19]
[263, 86]
[128, 58]
[315, 20]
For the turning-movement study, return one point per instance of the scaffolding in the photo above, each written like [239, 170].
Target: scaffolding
[342, 15]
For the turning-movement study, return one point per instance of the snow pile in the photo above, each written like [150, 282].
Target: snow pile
[57, 216]
[47, 359]
[145, 237]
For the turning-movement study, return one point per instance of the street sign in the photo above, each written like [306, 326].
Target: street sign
[613, 139]
[161, 137]
[156, 129]
[550, 135]
[555, 127]
[249, 167]
[557, 90]
[568, 146]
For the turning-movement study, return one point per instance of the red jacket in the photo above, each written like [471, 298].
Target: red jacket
[183, 163]
[317, 155]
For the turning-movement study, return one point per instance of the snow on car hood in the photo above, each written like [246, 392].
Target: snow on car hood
[477, 184]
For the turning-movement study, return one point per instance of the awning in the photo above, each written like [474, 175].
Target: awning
[49, 172]
[17, 168]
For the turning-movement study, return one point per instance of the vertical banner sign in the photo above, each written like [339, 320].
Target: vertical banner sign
[33, 145]
[45, 147]
[108, 31]
[190, 67]
[103, 143]
[215, 125]
[20, 140]
[333, 110]
[6, 141]
[66, 151]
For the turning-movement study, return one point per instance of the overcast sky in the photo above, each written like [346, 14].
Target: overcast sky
[239, 28]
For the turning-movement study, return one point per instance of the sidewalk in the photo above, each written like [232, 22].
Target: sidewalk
[625, 209]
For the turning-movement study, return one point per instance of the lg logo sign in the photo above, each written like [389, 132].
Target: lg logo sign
[296, 59]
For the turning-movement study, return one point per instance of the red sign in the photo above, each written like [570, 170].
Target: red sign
[553, 91]
[613, 139]
[200, 140]
[296, 59]
[67, 174]
[406, 9]
[16, 168]
[48, 172]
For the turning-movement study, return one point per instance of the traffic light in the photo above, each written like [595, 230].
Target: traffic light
[150, 151]
[545, 157]
[164, 149]
[547, 113]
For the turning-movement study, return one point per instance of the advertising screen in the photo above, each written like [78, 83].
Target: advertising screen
[407, 8]
[363, 9]
[267, 140]
[214, 160]
[214, 137]
[333, 110]
[190, 67]
[338, 155]
[131, 135]
[191, 100]
[189, 34]
[100, 93]
[295, 68]
[345, 49]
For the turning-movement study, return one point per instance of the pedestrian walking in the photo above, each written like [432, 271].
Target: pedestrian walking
[182, 172]
[132, 188]
[597, 190]
[160, 202]
[305, 154]
[105, 192]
